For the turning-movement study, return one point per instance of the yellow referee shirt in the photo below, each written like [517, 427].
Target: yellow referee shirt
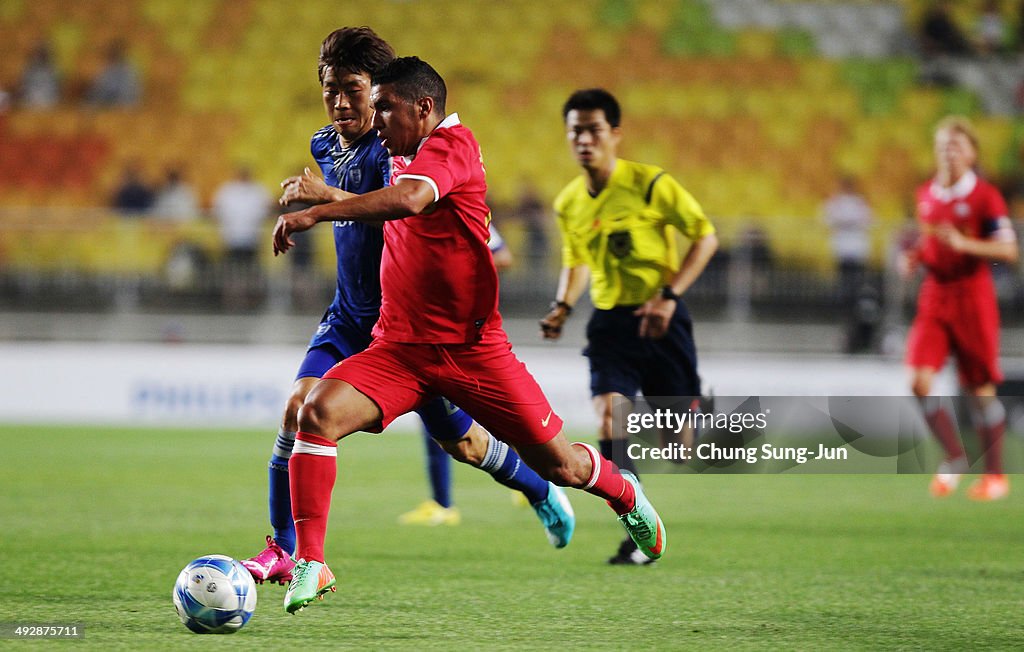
[623, 234]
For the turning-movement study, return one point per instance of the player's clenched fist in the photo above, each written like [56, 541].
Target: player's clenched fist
[551, 325]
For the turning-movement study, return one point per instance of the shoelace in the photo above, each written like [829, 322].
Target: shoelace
[272, 547]
[300, 575]
[639, 525]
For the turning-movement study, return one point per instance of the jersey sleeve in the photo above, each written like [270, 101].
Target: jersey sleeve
[443, 162]
[495, 242]
[318, 145]
[383, 164]
[320, 149]
[996, 223]
[571, 253]
[679, 207]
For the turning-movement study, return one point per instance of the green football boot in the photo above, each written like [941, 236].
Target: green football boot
[310, 581]
[643, 523]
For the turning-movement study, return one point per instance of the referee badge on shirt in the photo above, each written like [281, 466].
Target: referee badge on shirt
[620, 243]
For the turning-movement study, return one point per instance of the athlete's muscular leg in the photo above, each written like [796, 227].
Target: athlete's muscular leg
[279, 493]
[603, 407]
[986, 409]
[470, 448]
[300, 389]
[921, 381]
[558, 461]
[981, 398]
[612, 440]
[481, 450]
[989, 418]
[334, 409]
[982, 393]
[939, 419]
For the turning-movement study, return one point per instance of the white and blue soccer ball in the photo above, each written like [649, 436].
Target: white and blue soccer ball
[214, 594]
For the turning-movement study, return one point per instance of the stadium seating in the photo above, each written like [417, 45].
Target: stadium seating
[757, 106]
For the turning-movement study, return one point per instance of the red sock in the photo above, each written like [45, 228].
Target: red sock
[607, 482]
[992, 443]
[312, 469]
[944, 430]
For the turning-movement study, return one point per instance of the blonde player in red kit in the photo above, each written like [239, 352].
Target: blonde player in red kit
[963, 228]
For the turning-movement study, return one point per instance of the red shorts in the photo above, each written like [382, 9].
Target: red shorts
[484, 378]
[962, 318]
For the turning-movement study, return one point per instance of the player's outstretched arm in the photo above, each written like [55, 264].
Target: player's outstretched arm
[309, 188]
[406, 198]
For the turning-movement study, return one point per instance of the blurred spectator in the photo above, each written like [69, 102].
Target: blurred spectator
[531, 210]
[990, 29]
[118, 83]
[754, 242]
[40, 82]
[849, 217]
[132, 196]
[939, 32]
[176, 200]
[751, 267]
[241, 207]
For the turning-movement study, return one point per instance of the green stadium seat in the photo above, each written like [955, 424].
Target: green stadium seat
[795, 43]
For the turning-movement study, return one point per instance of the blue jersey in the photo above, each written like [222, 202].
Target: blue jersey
[359, 169]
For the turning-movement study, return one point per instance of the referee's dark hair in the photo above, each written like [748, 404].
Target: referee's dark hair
[592, 99]
[414, 78]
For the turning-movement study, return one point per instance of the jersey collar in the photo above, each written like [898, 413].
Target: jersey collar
[451, 120]
[611, 179]
[958, 190]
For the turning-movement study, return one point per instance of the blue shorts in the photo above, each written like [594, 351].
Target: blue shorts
[334, 341]
[621, 361]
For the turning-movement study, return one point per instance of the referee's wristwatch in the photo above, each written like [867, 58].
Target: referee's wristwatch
[668, 293]
[566, 308]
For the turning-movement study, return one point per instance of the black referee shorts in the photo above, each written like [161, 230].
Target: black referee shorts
[621, 361]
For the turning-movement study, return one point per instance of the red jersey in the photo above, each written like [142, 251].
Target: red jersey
[976, 209]
[437, 276]
[956, 309]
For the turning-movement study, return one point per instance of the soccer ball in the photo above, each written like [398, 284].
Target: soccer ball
[214, 594]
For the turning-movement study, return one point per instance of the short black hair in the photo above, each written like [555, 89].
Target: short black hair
[414, 78]
[355, 50]
[592, 99]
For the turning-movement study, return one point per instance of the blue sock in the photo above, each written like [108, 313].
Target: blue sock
[504, 463]
[280, 494]
[439, 470]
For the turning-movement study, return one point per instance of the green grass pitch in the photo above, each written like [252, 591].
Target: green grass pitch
[97, 522]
